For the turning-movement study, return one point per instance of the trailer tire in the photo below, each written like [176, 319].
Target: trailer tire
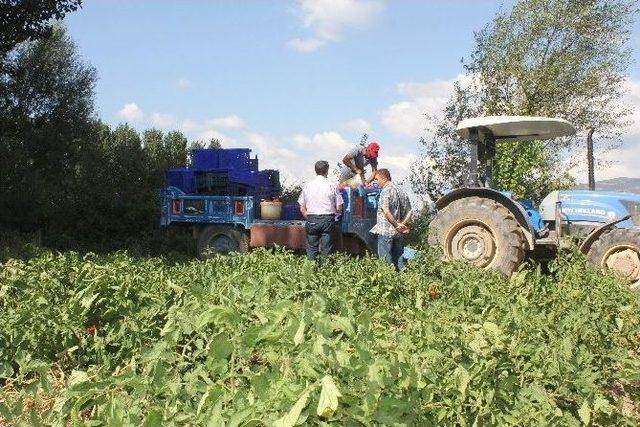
[618, 250]
[221, 239]
[479, 231]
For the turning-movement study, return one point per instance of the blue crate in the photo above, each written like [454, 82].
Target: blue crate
[181, 178]
[235, 158]
[205, 159]
[243, 176]
[268, 180]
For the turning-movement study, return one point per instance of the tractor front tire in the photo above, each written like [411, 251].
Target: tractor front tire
[481, 232]
[618, 251]
[221, 239]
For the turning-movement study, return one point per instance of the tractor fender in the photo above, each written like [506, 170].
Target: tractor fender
[597, 232]
[518, 211]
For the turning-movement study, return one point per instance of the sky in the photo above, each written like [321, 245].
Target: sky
[294, 80]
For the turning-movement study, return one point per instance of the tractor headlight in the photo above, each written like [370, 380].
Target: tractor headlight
[633, 209]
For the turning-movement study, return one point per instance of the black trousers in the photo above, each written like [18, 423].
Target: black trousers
[319, 230]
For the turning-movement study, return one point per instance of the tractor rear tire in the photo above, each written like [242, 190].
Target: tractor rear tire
[481, 232]
[221, 239]
[618, 251]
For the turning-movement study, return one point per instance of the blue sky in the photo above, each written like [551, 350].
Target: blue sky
[294, 80]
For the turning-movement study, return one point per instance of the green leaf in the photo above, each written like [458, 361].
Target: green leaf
[291, 417]
[328, 403]
[215, 416]
[462, 379]
[299, 336]
[154, 418]
[585, 413]
[342, 324]
[5, 412]
[220, 347]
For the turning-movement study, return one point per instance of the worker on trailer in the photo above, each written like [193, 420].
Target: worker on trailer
[320, 204]
[392, 220]
[354, 162]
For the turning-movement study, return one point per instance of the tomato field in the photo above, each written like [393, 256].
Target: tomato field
[270, 339]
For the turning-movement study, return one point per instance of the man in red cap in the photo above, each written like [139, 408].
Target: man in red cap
[356, 159]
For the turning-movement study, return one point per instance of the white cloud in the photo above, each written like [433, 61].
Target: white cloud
[209, 134]
[358, 125]
[164, 121]
[200, 130]
[409, 117]
[183, 84]
[328, 19]
[131, 113]
[305, 45]
[228, 122]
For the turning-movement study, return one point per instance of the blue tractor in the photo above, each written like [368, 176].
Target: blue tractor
[488, 228]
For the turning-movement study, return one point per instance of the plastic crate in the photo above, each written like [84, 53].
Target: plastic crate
[205, 159]
[181, 178]
[205, 182]
[291, 211]
[235, 158]
[230, 189]
[243, 176]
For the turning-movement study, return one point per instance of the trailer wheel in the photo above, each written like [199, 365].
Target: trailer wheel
[481, 232]
[618, 250]
[221, 239]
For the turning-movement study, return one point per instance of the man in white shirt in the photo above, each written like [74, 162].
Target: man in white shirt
[320, 204]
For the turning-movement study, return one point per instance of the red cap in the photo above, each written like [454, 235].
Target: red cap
[372, 150]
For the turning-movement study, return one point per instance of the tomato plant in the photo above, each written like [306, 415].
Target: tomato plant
[268, 338]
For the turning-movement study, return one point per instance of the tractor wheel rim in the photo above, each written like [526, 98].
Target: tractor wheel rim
[222, 244]
[624, 262]
[471, 242]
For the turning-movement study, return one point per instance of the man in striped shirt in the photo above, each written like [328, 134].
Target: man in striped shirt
[392, 221]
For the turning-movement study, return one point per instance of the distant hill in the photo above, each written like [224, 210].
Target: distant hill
[630, 185]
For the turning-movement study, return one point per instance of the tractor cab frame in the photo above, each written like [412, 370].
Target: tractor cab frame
[483, 133]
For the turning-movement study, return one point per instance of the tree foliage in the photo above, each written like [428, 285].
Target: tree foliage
[23, 20]
[556, 58]
[46, 112]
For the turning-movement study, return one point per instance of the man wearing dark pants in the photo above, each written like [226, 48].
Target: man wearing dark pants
[320, 204]
[394, 214]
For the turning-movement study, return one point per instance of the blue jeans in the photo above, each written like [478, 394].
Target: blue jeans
[319, 230]
[390, 250]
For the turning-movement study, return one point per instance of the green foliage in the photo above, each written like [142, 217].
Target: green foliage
[46, 112]
[269, 339]
[23, 20]
[520, 170]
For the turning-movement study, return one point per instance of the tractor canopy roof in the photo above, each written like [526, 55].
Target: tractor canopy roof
[516, 128]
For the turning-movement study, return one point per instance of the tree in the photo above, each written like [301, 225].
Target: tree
[46, 118]
[23, 20]
[175, 145]
[558, 58]
[214, 143]
[152, 143]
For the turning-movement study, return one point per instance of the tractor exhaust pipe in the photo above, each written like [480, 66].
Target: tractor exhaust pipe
[590, 162]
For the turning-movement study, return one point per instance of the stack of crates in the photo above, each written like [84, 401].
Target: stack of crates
[224, 172]
[268, 184]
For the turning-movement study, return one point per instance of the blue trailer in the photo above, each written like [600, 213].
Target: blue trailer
[218, 196]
